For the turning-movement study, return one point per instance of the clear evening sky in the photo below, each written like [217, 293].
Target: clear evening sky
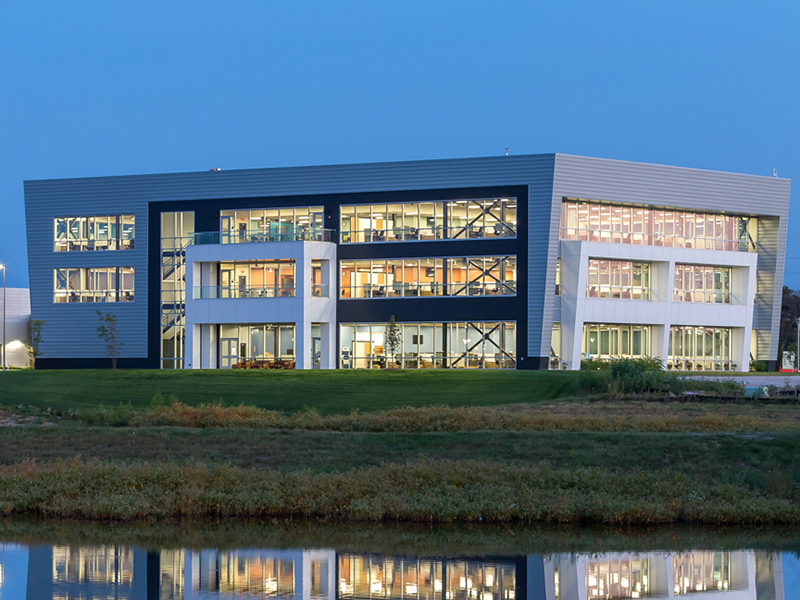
[115, 87]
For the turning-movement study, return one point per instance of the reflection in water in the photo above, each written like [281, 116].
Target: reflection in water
[117, 573]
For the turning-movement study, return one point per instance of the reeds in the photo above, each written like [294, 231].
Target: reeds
[420, 491]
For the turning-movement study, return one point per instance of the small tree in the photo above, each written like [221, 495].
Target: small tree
[110, 334]
[393, 340]
[36, 340]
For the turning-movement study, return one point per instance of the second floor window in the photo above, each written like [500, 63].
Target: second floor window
[80, 234]
[621, 279]
[701, 283]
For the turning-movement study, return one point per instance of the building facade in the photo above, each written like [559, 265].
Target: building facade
[511, 262]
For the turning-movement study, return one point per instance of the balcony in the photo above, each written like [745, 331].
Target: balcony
[261, 236]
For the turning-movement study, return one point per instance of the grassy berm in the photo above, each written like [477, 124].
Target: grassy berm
[491, 447]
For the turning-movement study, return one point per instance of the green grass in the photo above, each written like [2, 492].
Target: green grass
[420, 491]
[326, 391]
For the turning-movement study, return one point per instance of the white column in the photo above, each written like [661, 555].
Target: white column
[574, 267]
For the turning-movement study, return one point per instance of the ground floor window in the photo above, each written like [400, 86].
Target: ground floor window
[555, 347]
[467, 345]
[257, 343]
[700, 349]
[615, 341]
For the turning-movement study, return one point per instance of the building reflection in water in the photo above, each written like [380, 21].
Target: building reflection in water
[126, 573]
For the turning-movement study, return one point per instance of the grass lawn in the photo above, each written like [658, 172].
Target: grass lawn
[326, 391]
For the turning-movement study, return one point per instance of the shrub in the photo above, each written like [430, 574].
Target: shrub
[758, 366]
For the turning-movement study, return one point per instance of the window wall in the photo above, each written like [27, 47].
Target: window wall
[618, 279]
[700, 349]
[272, 224]
[80, 234]
[252, 279]
[95, 284]
[615, 341]
[588, 221]
[415, 221]
[260, 341]
[414, 277]
[700, 283]
[176, 228]
[623, 577]
[470, 345]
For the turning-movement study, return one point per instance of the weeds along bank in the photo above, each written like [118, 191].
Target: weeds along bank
[420, 491]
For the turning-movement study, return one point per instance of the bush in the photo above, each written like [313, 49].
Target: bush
[636, 375]
[759, 366]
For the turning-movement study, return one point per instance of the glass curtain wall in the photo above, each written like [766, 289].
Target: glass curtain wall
[176, 229]
[623, 577]
[79, 234]
[272, 224]
[615, 341]
[470, 345]
[618, 279]
[95, 284]
[252, 279]
[415, 221]
[594, 222]
[414, 277]
[707, 571]
[700, 349]
[258, 341]
[365, 577]
[700, 283]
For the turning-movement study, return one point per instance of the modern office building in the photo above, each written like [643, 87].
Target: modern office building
[526, 262]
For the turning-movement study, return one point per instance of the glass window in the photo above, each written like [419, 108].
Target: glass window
[618, 279]
[472, 345]
[414, 221]
[700, 349]
[701, 283]
[94, 284]
[591, 221]
[601, 341]
[80, 234]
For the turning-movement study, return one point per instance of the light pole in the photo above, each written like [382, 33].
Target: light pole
[797, 350]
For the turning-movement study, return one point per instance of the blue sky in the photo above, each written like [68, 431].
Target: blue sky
[92, 87]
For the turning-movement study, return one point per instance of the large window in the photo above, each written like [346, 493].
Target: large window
[77, 234]
[252, 279]
[175, 230]
[258, 341]
[414, 277]
[618, 279]
[270, 225]
[700, 283]
[621, 577]
[700, 349]
[594, 222]
[414, 221]
[471, 345]
[95, 284]
[615, 341]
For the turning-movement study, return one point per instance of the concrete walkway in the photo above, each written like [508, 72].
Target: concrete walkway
[755, 379]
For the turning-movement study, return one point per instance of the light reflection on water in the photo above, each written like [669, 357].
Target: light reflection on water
[124, 572]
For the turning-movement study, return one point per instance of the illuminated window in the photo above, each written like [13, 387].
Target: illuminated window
[303, 223]
[470, 345]
[94, 284]
[615, 341]
[594, 222]
[80, 234]
[618, 279]
[416, 277]
[699, 283]
[700, 349]
[415, 221]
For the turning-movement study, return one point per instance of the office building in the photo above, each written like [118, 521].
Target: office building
[509, 262]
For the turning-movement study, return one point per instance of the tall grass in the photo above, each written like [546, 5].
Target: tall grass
[421, 491]
[448, 419]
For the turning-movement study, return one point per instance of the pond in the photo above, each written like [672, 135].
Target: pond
[88, 561]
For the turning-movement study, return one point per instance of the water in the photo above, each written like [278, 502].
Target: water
[392, 563]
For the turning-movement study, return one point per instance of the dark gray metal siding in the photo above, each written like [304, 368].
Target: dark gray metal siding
[112, 195]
